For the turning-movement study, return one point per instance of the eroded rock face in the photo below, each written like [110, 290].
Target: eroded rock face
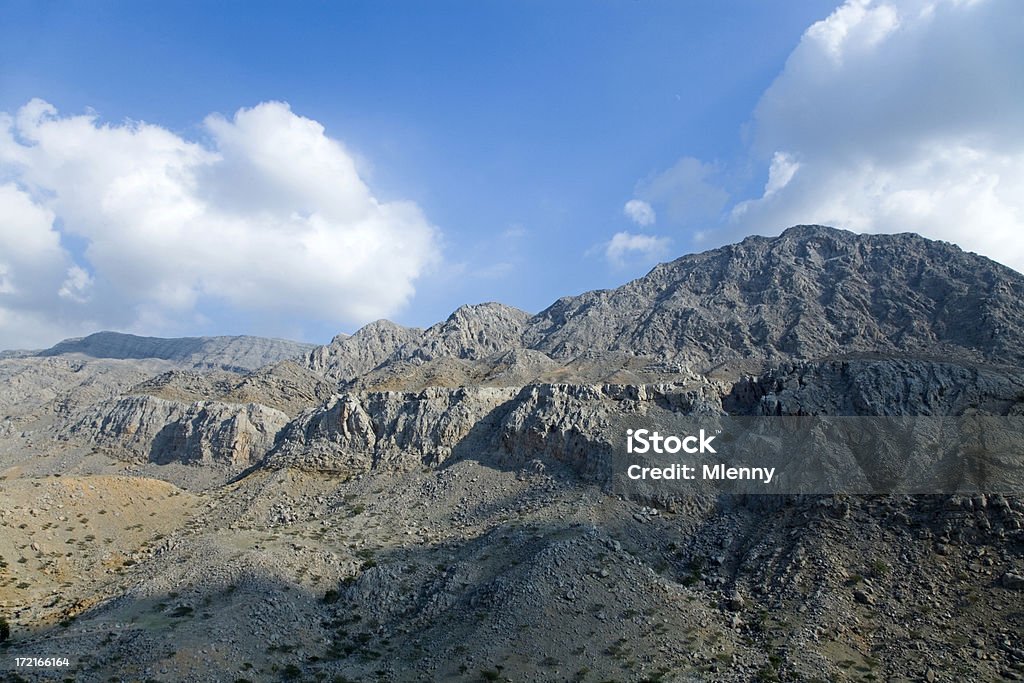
[811, 292]
[471, 332]
[359, 431]
[879, 387]
[576, 425]
[286, 386]
[161, 431]
[572, 425]
[349, 356]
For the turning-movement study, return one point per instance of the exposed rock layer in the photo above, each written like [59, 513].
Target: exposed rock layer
[161, 431]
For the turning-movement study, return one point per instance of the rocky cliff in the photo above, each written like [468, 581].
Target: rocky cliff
[161, 431]
[879, 387]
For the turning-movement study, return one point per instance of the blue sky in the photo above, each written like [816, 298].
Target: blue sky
[466, 152]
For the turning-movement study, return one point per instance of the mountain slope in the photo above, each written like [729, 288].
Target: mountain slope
[811, 293]
[408, 505]
[214, 353]
[808, 293]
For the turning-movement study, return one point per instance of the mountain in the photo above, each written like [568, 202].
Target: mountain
[409, 504]
[221, 353]
[349, 356]
[811, 293]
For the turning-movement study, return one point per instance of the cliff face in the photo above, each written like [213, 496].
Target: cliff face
[879, 387]
[161, 432]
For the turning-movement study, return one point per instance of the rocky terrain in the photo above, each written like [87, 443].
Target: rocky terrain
[405, 504]
[239, 354]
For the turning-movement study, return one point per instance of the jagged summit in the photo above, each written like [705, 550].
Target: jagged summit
[472, 332]
[348, 356]
[809, 293]
[812, 292]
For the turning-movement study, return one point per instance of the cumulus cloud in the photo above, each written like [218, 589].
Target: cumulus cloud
[625, 247]
[686, 193]
[899, 115]
[270, 217]
[640, 212]
[34, 269]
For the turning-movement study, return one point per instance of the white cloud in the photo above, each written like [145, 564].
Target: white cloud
[780, 172]
[271, 218]
[899, 116]
[626, 246]
[77, 286]
[686, 194]
[853, 27]
[640, 212]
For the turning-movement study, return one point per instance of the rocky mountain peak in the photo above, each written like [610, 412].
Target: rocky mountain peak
[811, 292]
[472, 332]
[348, 356]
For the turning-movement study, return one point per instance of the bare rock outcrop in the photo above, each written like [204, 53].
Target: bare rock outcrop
[808, 293]
[571, 425]
[471, 332]
[879, 387]
[161, 431]
[360, 431]
[348, 356]
[577, 425]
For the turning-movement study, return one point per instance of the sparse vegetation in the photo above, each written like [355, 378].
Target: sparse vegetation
[489, 568]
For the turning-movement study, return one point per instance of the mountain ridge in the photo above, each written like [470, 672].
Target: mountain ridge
[812, 292]
[233, 353]
[410, 504]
